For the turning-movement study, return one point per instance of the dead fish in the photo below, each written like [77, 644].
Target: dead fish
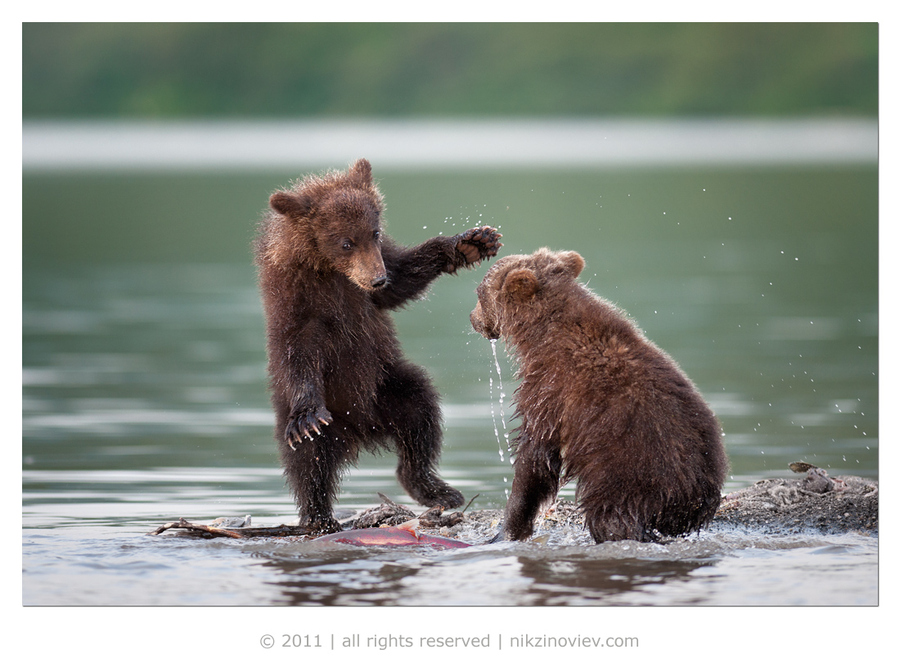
[391, 536]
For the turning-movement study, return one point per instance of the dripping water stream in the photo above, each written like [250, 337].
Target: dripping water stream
[502, 396]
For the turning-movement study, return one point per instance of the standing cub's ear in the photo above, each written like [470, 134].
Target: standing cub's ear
[520, 284]
[362, 172]
[292, 205]
[572, 262]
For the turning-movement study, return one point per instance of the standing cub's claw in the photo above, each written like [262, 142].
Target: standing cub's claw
[478, 244]
[300, 426]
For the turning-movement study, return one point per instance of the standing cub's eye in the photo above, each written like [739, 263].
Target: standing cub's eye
[347, 245]
[376, 235]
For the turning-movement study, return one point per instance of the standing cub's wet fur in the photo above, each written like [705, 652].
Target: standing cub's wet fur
[598, 403]
[329, 277]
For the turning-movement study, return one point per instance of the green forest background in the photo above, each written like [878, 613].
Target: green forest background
[259, 70]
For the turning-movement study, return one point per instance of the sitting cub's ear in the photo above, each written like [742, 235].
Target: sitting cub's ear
[362, 172]
[572, 262]
[292, 205]
[521, 284]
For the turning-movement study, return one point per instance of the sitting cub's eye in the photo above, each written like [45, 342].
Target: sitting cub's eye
[347, 245]
[376, 235]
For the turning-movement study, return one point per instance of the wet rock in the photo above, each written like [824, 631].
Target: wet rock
[817, 502]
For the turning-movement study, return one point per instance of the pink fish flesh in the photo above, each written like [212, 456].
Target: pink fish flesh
[391, 536]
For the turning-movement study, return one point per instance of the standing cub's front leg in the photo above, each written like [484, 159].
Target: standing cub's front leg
[412, 269]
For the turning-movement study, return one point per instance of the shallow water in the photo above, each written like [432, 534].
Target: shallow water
[144, 392]
[86, 543]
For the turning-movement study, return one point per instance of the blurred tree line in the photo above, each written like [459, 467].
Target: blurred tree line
[352, 70]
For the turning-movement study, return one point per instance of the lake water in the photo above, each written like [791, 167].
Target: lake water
[144, 393]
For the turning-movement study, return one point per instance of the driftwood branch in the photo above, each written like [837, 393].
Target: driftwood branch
[233, 533]
[387, 514]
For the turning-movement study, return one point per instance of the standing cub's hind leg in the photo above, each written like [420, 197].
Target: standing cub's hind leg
[411, 416]
[313, 471]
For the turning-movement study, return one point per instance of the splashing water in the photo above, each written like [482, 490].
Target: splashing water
[500, 404]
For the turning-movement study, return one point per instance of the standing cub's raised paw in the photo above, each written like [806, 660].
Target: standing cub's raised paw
[478, 244]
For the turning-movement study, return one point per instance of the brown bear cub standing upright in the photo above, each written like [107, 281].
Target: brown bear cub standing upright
[599, 403]
[329, 277]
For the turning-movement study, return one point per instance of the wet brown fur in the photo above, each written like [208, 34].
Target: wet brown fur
[598, 403]
[339, 381]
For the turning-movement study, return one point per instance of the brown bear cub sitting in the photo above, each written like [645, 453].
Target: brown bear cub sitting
[599, 403]
[339, 381]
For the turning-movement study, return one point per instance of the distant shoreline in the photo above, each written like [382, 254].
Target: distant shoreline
[446, 144]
